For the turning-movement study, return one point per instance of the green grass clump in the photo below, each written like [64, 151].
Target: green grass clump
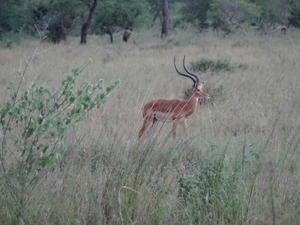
[216, 66]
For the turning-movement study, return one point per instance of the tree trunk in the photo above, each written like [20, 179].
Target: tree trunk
[126, 34]
[129, 28]
[165, 15]
[110, 36]
[87, 23]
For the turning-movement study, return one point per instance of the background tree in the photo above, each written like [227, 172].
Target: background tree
[216, 17]
[14, 17]
[274, 11]
[86, 23]
[294, 17]
[113, 14]
[56, 19]
[195, 12]
[59, 17]
[155, 10]
[229, 16]
[165, 18]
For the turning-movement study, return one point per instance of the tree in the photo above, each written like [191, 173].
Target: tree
[216, 17]
[87, 23]
[111, 15]
[274, 11]
[195, 12]
[155, 9]
[129, 27]
[13, 17]
[229, 16]
[59, 16]
[165, 19]
[294, 18]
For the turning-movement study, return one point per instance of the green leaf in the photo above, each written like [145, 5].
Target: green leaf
[11, 85]
[40, 120]
[72, 99]
[76, 71]
[101, 103]
[101, 84]
[68, 121]
[79, 92]
[118, 82]
[108, 89]
[29, 132]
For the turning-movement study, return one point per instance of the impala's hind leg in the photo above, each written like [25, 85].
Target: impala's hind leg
[147, 120]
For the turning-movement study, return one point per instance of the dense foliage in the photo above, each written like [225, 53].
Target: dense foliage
[56, 19]
[111, 15]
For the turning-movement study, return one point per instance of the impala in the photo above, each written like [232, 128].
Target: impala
[175, 111]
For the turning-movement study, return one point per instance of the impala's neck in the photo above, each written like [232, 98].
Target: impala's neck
[192, 98]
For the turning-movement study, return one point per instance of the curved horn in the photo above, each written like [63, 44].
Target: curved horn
[195, 75]
[195, 80]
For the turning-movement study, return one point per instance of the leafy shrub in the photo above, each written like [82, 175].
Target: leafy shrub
[34, 130]
[197, 189]
[218, 65]
[206, 187]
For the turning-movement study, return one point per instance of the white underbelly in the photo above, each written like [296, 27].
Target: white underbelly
[166, 118]
[163, 117]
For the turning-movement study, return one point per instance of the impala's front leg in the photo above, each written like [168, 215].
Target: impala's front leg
[146, 122]
[175, 123]
[186, 129]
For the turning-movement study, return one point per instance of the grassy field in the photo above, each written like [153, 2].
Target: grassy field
[240, 165]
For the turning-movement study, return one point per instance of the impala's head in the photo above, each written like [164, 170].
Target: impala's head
[198, 90]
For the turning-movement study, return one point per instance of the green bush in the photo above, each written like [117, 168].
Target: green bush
[214, 66]
[197, 189]
[206, 191]
[34, 130]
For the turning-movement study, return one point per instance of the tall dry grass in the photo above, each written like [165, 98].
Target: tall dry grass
[240, 165]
